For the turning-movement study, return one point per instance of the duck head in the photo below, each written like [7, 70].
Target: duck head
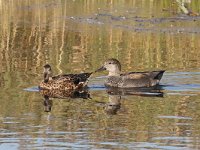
[47, 72]
[112, 65]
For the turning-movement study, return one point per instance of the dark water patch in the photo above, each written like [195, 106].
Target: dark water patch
[152, 20]
[140, 24]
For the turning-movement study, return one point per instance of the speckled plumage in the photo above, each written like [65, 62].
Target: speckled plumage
[131, 79]
[63, 82]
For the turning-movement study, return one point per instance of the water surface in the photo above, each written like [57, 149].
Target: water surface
[77, 36]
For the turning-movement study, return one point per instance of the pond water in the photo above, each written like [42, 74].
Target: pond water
[78, 36]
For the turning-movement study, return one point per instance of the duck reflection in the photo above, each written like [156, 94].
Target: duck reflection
[47, 104]
[146, 92]
[61, 94]
[113, 105]
[115, 96]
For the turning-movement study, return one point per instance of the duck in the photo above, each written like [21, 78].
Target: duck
[131, 79]
[63, 81]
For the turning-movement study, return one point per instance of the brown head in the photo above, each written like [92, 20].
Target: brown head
[112, 65]
[47, 72]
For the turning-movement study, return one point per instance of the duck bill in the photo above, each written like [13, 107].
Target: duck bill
[101, 69]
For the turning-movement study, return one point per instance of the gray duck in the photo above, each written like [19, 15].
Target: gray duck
[131, 79]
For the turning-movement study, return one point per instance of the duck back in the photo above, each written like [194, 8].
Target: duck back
[135, 79]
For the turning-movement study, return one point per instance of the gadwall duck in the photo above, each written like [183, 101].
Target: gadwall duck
[131, 79]
[63, 82]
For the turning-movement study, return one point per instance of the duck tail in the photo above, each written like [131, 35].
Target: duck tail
[81, 80]
[158, 74]
[85, 76]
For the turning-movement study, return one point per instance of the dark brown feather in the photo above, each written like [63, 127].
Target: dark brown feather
[63, 82]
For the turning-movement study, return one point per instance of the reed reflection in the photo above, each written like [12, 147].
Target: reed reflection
[43, 34]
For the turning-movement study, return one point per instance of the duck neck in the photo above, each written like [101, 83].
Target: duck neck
[46, 77]
[114, 73]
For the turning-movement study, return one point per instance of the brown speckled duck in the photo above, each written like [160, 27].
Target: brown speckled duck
[63, 82]
[131, 79]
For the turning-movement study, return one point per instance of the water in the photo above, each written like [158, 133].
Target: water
[77, 36]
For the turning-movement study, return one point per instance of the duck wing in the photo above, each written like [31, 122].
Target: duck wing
[141, 79]
[140, 75]
[83, 77]
[157, 74]
[80, 79]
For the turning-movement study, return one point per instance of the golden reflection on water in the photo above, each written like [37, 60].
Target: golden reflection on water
[37, 32]
[77, 36]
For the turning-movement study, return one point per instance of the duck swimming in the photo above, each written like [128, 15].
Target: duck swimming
[63, 82]
[131, 79]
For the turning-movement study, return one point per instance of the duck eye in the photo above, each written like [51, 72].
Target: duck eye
[109, 63]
